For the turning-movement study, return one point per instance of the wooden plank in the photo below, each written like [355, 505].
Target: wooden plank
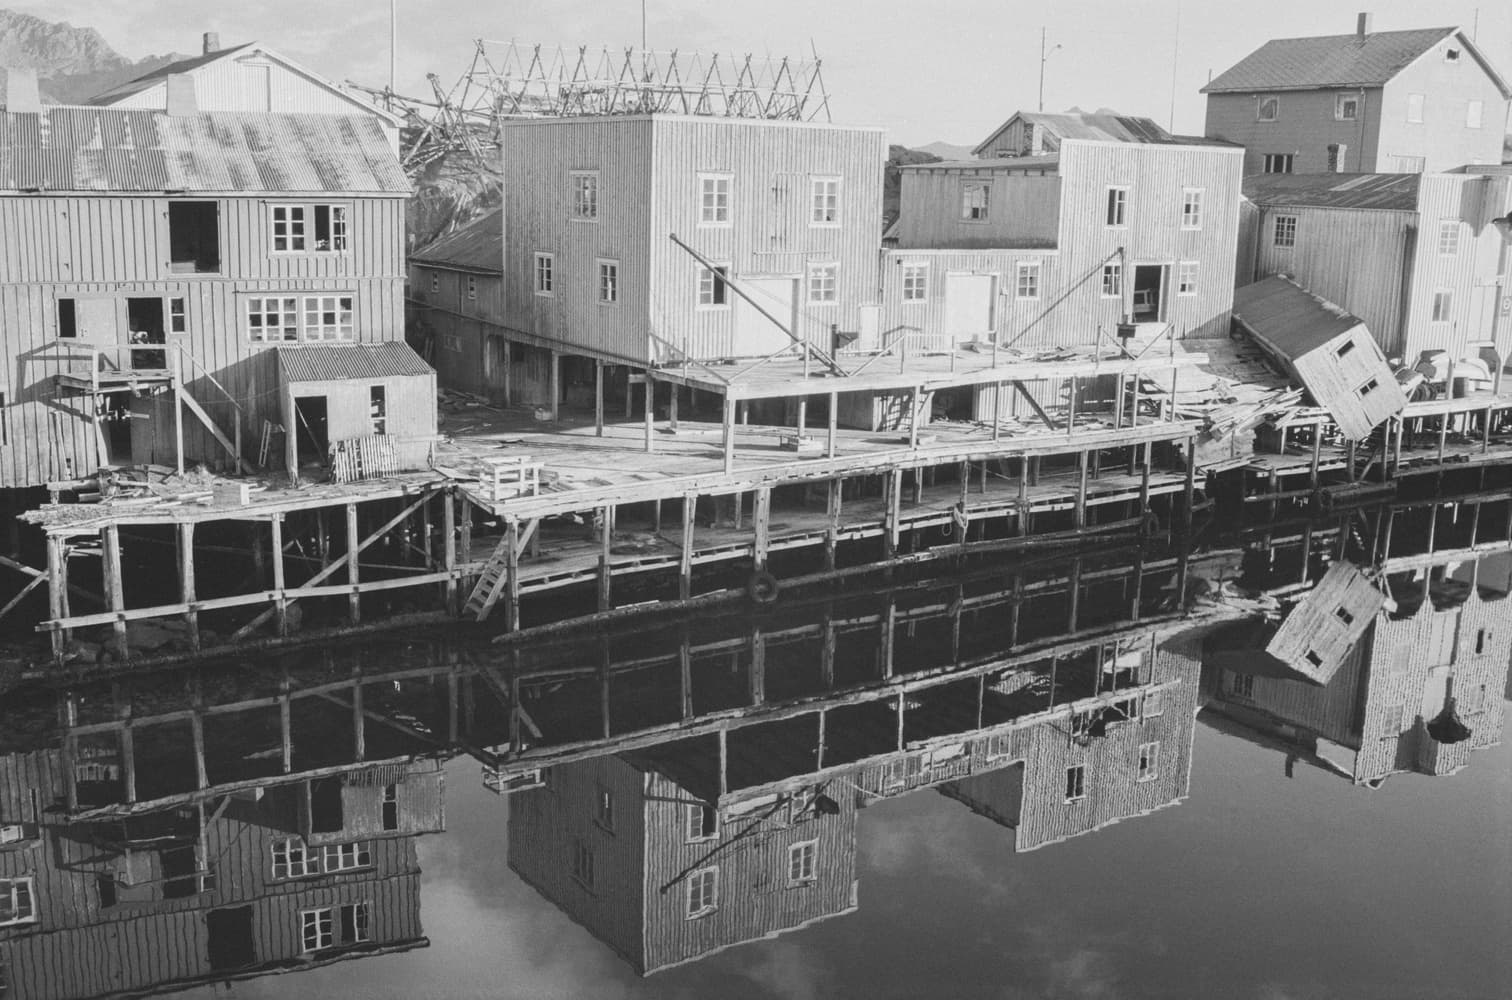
[354, 599]
[512, 575]
[187, 585]
[762, 525]
[598, 397]
[115, 595]
[685, 561]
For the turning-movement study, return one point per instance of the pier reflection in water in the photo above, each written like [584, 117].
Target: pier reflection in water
[680, 787]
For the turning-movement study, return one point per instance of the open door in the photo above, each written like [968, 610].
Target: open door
[1150, 293]
[312, 432]
[144, 323]
[229, 935]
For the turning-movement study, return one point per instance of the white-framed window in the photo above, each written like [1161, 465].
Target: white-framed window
[1448, 237]
[18, 904]
[1415, 108]
[1443, 305]
[472, 286]
[273, 319]
[603, 809]
[1267, 108]
[545, 273]
[1186, 277]
[999, 745]
[822, 281]
[713, 287]
[975, 196]
[585, 194]
[15, 833]
[1154, 704]
[288, 228]
[1473, 114]
[1284, 233]
[317, 928]
[1149, 762]
[801, 805]
[1191, 208]
[703, 892]
[714, 199]
[1335, 159]
[435, 283]
[702, 823]
[329, 926]
[1391, 724]
[608, 281]
[1076, 782]
[1026, 280]
[1402, 163]
[801, 862]
[915, 282]
[1242, 685]
[292, 859]
[824, 201]
[178, 315]
[1277, 163]
[1346, 107]
[1118, 206]
[305, 228]
[327, 317]
[582, 864]
[1112, 281]
[345, 857]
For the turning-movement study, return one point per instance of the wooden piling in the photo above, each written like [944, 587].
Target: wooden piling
[354, 599]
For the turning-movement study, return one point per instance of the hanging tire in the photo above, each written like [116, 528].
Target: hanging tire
[763, 587]
[1149, 527]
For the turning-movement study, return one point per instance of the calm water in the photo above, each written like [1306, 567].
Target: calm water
[918, 792]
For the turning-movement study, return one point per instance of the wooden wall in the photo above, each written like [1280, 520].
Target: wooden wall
[1443, 138]
[1304, 127]
[1021, 207]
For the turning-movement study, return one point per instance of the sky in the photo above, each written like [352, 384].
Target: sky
[947, 70]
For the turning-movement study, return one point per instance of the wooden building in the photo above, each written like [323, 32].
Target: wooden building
[1031, 133]
[1425, 99]
[154, 262]
[1323, 627]
[1421, 259]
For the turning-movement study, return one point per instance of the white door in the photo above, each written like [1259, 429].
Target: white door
[968, 306]
[755, 335]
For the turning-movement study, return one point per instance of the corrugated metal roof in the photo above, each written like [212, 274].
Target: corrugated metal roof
[331, 362]
[89, 149]
[1327, 61]
[477, 246]
[1289, 317]
[1388, 192]
[1097, 126]
[141, 83]
[992, 163]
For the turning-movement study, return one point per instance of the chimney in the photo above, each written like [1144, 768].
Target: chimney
[212, 42]
[181, 95]
[18, 91]
[1363, 24]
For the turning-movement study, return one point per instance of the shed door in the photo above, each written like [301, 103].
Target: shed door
[968, 306]
[97, 320]
[755, 335]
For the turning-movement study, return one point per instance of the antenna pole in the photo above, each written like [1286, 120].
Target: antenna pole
[1042, 70]
[1175, 58]
[393, 45]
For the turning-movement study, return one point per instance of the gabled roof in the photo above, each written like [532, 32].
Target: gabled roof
[1328, 61]
[90, 149]
[1288, 318]
[146, 80]
[329, 362]
[477, 246]
[1386, 192]
[1080, 125]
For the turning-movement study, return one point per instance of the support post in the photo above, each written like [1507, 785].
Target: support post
[354, 599]
[729, 435]
[598, 397]
[1080, 512]
[672, 406]
[512, 575]
[762, 523]
[556, 386]
[606, 542]
[650, 412]
[280, 603]
[834, 423]
[115, 595]
[890, 528]
[57, 586]
[449, 548]
[685, 567]
[1188, 492]
[832, 533]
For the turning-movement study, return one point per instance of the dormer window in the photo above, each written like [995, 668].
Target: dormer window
[1346, 107]
[1267, 108]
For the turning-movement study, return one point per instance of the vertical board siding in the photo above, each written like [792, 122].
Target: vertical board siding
[1021, 207]
[1443, 137]
[1304, 127]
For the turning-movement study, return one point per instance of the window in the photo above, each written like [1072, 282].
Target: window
[1112, 281]
[1448, 237]
[17, 905]
[1149, 761]
[703, 892]
[327, 317]
[1027, 280]
[354, 923]
[1451, 54]
[1367, 388]
[273, 320]
[435, 283]
[345, 857]
[15, 833]
[194, 237]
[1480, 641]
[1267, 108]
[1076, 782]
[288, 228]
[390, 807]
[1336, 157]
[68, 322]
[825, 201]
[472, 286]
[178, 317]
[608, 281]
[1415, 108]
[702, 822]
[1285, 231]
[330, 228]
[714, 199]
[318, 927]
[291, 859]
[545, 273]
[1345, 349]
[451, 342]
[1191, 208]
[999, 745]
[585, 196]
[604, 809]
[1346, 107]
[1391, 722]
[974, 197]
[1443, 305]
[1345, 615]
[378, 408]
[1401, 164]
[1186, 278]
[1118, 203]
[915, 282]
[1473, 112]
[713, 289]
[582, 864]
[821, 283]
[292, 225]
[801, 805]
[1154, 704]
[801, 862]
[1277, 163]
[1242, 685]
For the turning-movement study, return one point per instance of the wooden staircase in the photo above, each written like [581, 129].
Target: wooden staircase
[898, 412]
[495, 576]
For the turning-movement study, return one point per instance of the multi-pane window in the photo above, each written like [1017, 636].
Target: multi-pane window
[1346, 107]
[1076, 782]
[604, 809]
[915, 282]
[1473, 112]
[703, 892]
[801, 805]
[178, 317]
[1149, 761]
[318, 928]
[824, 201]
[545, 273]
[1285, 233]
[292, 859]
[608, 281]
[1415, 108]
[974, 196]
[472, 286]
[288, 228]
[582, 864]
[17, 902]
[1154, 704]
[327, 927]
[298, 228]
[1448, 237]
[390, 807]
[1371, 385]
[1277, 163]
[585, 194]
[273, 319]
[1112, 281]
[713, 289]
[1186, 278]
[327, 317]
[345, 857]
[1391, 725]
[1242, 685]
[801, 859]
[1118, 205]
[1267, 108]
[1191, 208]
[1027, 280]
[821, 283]
[702, 822]
[714, 200]
[1443, 305]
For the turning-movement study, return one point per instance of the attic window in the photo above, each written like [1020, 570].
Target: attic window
[1345, 348]
[1267, 108]
[1451, 54]
[1346, 107]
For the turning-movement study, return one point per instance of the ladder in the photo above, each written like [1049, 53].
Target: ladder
[495, 576]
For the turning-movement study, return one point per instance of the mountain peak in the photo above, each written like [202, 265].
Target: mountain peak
[72, 64]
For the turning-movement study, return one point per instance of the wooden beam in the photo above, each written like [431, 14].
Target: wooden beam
[606, 542]
[1079, 512]
[555, 386]
[187, 585]
[512, 574]
[1034, 405]
[834, 495]
[449, 548]
[685, 564]
[890, 526]
[115, 594]
[57, 587]
[354, 599]
[834, 424]
[280, 601]
[729, 435]
[598, 397]
[762, 523]
[650, 412]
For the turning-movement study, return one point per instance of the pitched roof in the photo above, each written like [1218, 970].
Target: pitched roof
[1289, 318]
[329, 362]
[1080, 125]
[146, 80]
[1387, 192]
[62, 149]
[477, 246]
[1338, 61]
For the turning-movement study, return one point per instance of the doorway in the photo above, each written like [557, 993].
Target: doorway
[755, 334]
[144, 323]
[1149, 293]
[312, 438]
[115, 425]
[496, 370]
[229, 934]
[968, 307]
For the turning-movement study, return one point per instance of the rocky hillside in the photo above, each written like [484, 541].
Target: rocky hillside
[892, 180]
[72, 64]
